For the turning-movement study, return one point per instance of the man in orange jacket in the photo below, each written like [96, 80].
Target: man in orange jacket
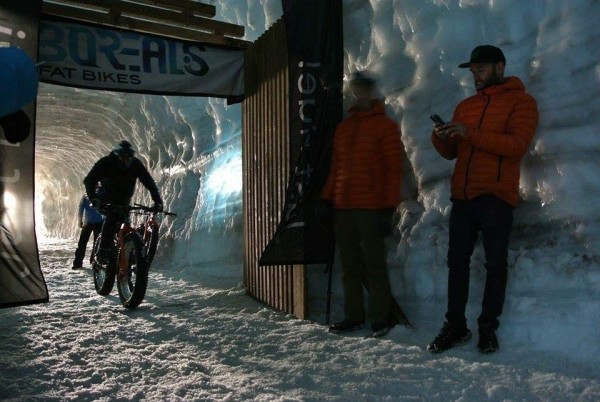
[363, 187]
[488, 136]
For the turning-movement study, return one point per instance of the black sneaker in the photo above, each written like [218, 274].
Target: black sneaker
[488, 343]
[76, 267]
[448, 338]
[346, 326]
[378, 330]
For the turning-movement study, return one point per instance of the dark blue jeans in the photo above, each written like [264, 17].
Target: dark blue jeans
[493, 217]
[84, 237]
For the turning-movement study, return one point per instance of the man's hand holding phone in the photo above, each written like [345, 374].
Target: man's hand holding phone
[444, 130]
[439, 129]
[437, 119]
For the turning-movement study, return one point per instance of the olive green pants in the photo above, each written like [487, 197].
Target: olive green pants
[362, 250]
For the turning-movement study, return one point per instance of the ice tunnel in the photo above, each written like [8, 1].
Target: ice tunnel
[190, 145]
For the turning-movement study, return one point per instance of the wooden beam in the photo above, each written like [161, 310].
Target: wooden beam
[160, 28]
[182, 6]
[300, 292]
[172, 15]
[186, 33]
[181, 19]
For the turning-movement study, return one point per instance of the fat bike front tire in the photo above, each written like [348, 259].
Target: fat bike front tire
[104, 275]
[133, 281]
[151, 244]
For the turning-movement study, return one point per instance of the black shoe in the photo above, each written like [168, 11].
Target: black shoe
[378, 330]
[448, 338]
[488, 343]
[76, 267]
[346, 326]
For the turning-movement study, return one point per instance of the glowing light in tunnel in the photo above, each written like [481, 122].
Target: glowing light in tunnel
[10, 216]
[40, 227]
[10, 202]
[226, 179]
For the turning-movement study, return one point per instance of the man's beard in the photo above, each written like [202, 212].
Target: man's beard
[494, 79]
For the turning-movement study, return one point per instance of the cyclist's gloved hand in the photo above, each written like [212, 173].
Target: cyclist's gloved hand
[158, 207]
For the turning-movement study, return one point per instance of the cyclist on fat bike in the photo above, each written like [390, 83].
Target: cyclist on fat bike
[118, 173]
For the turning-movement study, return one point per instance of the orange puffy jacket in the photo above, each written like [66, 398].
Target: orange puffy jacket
[501, 121]
[366, 166]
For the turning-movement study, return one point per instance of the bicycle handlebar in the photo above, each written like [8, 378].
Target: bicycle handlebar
[136, 207]
[140, 207]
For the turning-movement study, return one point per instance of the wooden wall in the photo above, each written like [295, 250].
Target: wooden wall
[266, 166]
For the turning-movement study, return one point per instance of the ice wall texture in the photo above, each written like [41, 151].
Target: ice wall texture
[414, 47]
[193, 145]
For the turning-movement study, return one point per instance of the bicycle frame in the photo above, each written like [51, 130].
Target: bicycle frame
[150, 222]
[132, 253]
[148, 231]
[145, 230]
[125, 229]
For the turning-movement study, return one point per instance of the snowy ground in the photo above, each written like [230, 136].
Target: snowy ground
[209, 341]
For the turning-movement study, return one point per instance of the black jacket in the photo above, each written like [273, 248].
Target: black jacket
[118, 181]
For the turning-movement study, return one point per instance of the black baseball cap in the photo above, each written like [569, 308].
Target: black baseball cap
[485, 54]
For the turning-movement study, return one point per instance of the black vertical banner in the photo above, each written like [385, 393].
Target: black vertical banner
[315, 51]
[21, 279]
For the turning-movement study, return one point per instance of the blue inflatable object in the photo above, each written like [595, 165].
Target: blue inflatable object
[18, 80]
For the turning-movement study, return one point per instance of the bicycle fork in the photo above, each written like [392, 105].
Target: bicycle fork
[122, 259]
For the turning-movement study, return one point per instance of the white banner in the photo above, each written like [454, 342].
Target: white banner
[88, 56]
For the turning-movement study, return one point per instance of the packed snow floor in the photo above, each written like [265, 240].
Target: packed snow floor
[208, 341]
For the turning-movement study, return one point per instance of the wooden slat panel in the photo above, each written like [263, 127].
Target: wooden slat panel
[153, 21]
[187, 20]
[266, 169]
[298, 284]
[187, 6]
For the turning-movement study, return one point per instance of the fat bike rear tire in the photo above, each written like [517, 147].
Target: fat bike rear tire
[104, 275]
[132, 283]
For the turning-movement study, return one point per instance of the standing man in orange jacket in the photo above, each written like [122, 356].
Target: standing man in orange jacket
[363, 187]
[488, 136]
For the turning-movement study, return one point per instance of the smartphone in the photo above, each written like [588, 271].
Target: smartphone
[437, 119]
